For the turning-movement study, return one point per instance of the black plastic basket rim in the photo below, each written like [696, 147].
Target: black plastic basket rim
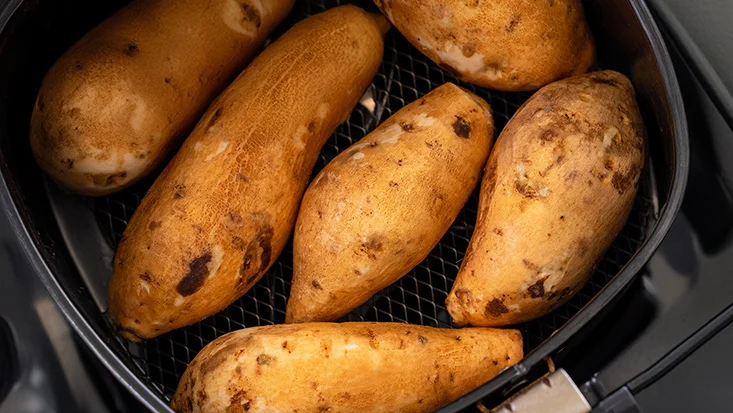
[668, 212]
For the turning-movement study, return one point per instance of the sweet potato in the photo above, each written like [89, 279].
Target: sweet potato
[223, 209]
[379, 208]
[558, 188]
[350, 367]
[115, 105]
[500, 44]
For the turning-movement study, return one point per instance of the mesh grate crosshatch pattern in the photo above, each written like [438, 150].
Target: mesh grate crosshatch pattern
[419, 297]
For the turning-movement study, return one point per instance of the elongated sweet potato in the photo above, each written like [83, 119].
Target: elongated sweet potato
[379, 208]
[558, 188]
[350, 367]
[223, 209]
[500, 44]
[115, 105]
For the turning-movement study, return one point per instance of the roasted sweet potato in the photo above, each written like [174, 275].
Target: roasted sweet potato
[500, 44]
[379, 208]
[558, 188]
[350, 367]
[115, 105]
[223, 209]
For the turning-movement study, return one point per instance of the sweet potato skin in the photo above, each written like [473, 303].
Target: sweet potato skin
[381, 206]
[558, 188]
[116, 103]
[506, 45]
[221, 212]
[349, 367]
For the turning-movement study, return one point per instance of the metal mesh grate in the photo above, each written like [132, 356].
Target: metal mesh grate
[419, 297]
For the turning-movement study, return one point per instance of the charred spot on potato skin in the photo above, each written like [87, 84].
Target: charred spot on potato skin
[373, 342]
[215, 117]
[146, 277]
[537, 290]
[238, 242]
[469, 49]
[69, 163]
[168, 80]
[622, 182]
[180, 191]
[153, 225]
[498, 232]
[234, 217]
[236, 402]
[197, 271]
[316, 284]
[372, 245]
[512, 24]
[461, 128]
[548, 135]
[105, 180]
[407, 127]
[263, 241]
[131, 49]
[525, 189]
[464, 296]
[251, 14]
[265, 359]
[496, 308]
[532, 266]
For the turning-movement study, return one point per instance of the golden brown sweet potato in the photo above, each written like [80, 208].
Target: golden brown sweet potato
[379, 208]
[500, 44]
[350, 367]
[114, 105]
[558, 188]
[223, 209]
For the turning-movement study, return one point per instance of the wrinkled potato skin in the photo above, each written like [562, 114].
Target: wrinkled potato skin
[558, 188]
[114, 105]
[350, 367]
[221, 212]
[509, 45]
[379, 208]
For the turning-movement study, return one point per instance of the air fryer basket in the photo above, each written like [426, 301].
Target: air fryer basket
[70, 239]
